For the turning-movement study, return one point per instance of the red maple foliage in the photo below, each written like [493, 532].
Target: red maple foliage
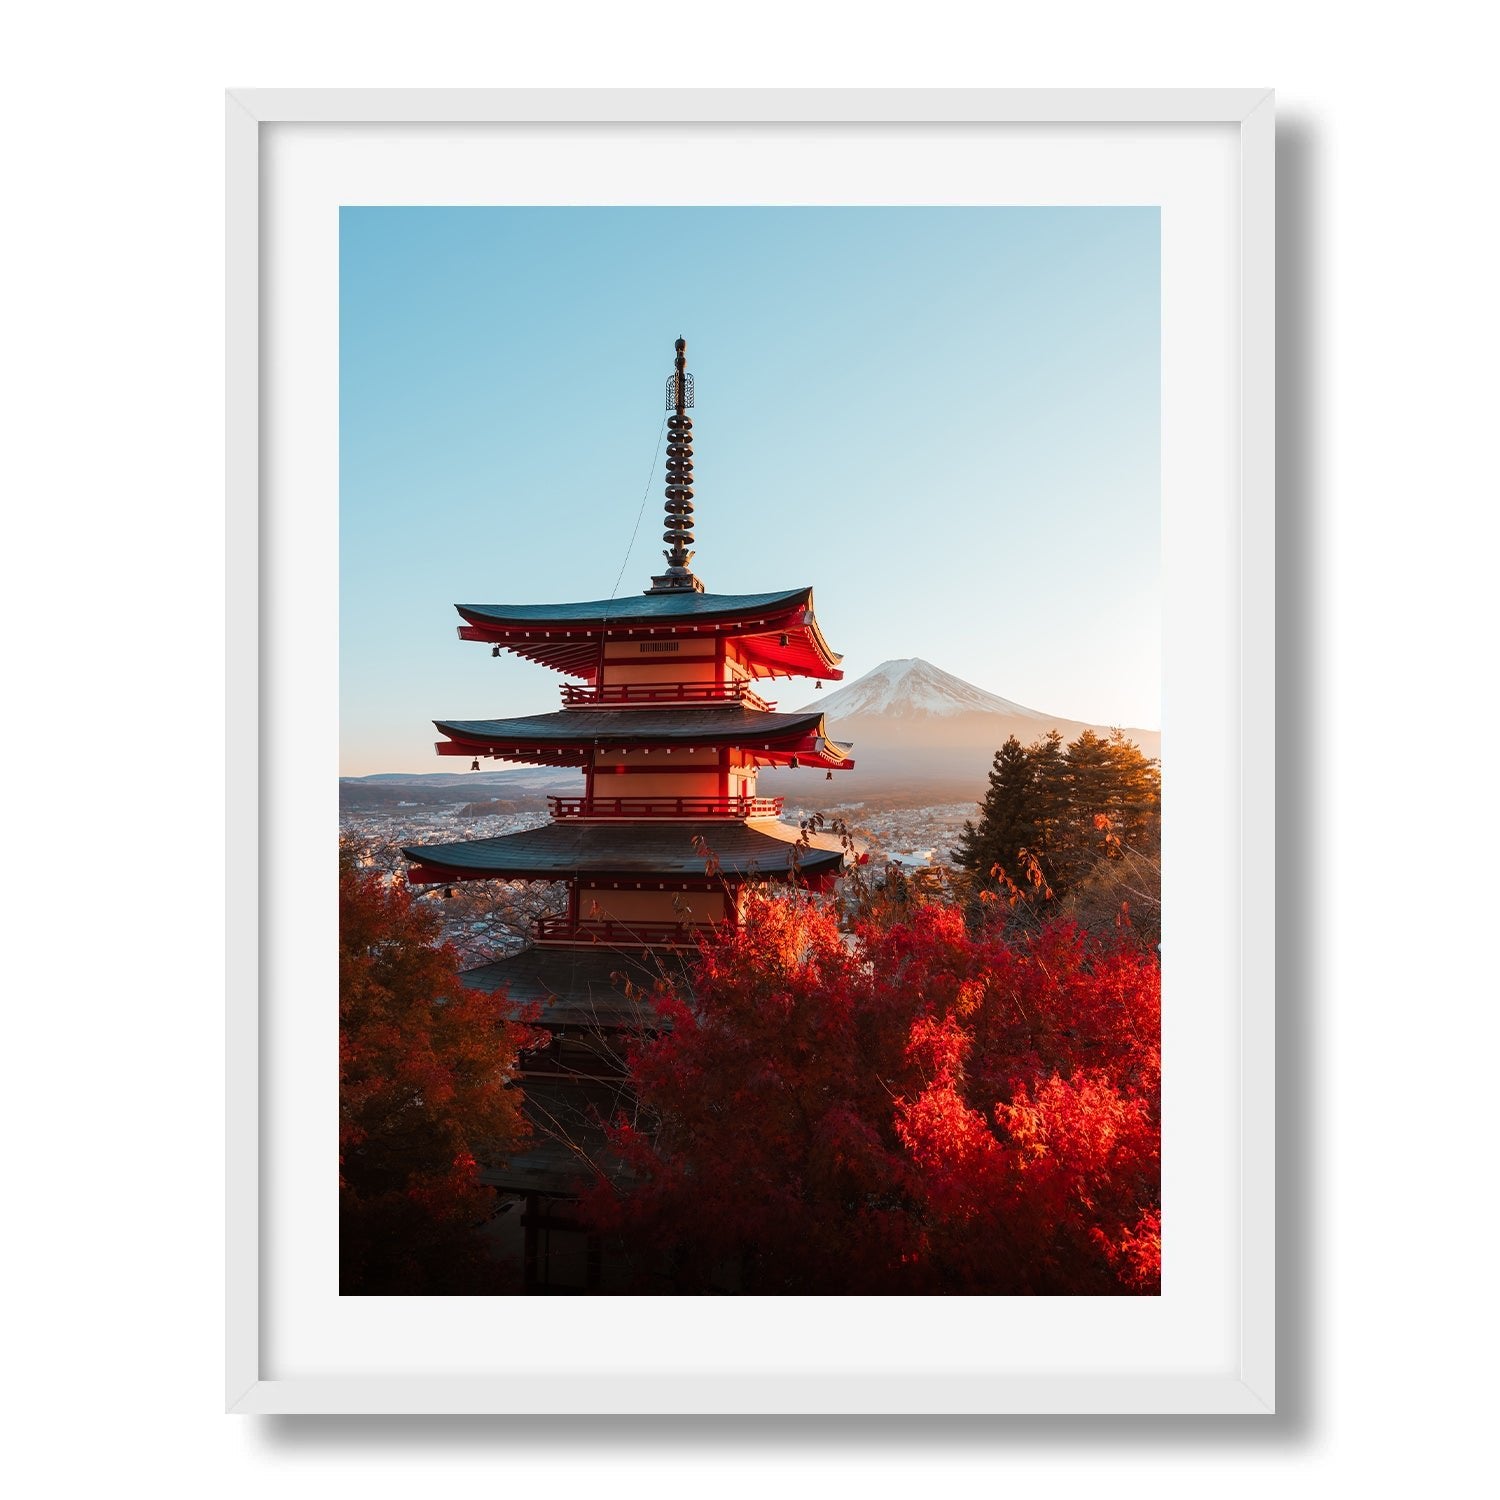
[423, 1067]
[922, 1109]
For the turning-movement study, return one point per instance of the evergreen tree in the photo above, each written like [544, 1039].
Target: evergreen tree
[1049, 766]
[1059, 812]
[1089, 781]
[1007, 817]
[1136, 808]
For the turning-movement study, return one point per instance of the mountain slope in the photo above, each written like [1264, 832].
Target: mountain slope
[912, 724]
[915, 689]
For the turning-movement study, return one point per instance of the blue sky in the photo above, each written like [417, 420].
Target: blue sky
[945, 419]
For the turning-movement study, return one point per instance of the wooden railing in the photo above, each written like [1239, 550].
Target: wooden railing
[665, 807]
[615, 934]
[656, 694]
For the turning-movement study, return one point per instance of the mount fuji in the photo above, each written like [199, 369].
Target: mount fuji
[915, 689]
[910, 723]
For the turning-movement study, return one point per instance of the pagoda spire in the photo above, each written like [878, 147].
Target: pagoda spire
[679, 509]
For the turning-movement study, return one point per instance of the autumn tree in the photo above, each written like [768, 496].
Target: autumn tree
[925, 1109]
[424, 1064]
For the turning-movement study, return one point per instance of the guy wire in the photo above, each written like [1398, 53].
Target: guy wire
[645, 495]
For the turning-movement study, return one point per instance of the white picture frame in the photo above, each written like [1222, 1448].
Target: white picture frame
[1242, 1383]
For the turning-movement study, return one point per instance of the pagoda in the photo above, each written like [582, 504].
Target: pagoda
[664, 716]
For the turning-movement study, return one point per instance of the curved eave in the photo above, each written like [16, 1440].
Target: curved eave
[581, 986]
[574, 737]
[806, 653]
[638, 611]
[834, 756]
[680, 856]
[568, 1142]
[568, 638]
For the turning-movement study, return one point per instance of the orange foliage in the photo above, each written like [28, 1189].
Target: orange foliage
[423, 1067]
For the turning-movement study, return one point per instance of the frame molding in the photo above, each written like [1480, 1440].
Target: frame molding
[1252, 1388]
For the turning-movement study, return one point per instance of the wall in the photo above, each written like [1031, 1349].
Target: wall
[604, 903]
[1387, 338]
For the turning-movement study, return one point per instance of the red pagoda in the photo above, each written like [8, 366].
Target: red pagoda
[665, 720]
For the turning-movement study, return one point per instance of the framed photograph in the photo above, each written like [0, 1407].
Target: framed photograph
[904, 1045]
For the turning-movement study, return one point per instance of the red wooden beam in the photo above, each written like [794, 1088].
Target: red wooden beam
[436, 875]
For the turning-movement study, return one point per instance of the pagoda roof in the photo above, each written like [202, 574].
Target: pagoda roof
[641, 853]
[553, 1167]
[570, 736]
[569, 1144]
[581, 987]
[566, 637]
[632, 608]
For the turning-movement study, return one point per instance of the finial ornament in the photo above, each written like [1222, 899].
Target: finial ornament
[679, 509]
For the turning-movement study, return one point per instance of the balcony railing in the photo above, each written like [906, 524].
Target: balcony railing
[658, 694]
[615, 934]
[665, 807]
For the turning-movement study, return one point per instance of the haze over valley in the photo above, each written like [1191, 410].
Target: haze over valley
[922, 742]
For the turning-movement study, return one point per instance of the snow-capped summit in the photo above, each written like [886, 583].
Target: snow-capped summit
[911, 688]
[909, 723]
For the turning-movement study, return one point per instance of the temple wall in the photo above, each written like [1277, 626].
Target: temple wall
[734, 661]
[703, 783]
[660, 669]
[649, 906]
[657, 762]
[638, 661]
[692, 661]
